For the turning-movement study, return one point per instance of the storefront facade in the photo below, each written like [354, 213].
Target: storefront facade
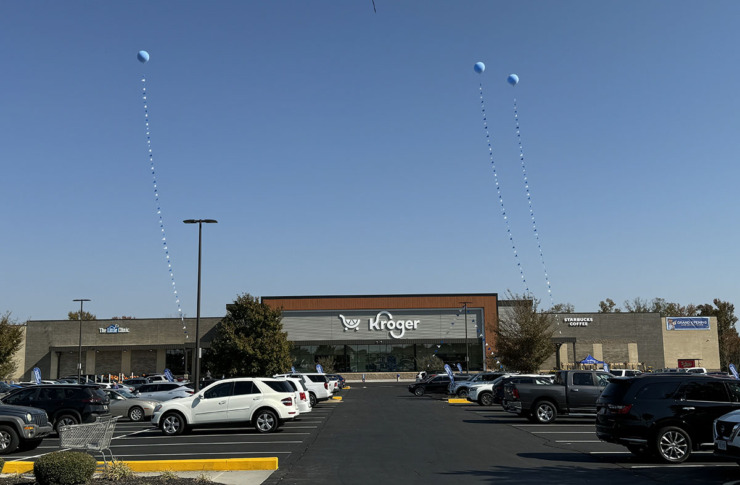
[373, 334]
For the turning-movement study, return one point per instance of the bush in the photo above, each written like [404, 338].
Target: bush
[64, 468]
[117, 470]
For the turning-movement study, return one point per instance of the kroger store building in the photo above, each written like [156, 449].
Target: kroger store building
[372, 334]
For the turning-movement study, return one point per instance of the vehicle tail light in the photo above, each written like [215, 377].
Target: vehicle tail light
[326, 385]
[288, 401]
[619, 408]
[303, 396]
[515, 393]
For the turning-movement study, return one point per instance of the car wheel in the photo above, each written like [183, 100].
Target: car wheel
[639, 450]
[266, 421]
[545, 412]
[463, 393]
[312, 399]
[673, 445]
[172, 424]
[65, 420]
[419, 391]
[136, 414]
[486, 399]
[8, 440]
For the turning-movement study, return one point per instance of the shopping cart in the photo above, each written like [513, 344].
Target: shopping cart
[90, 437]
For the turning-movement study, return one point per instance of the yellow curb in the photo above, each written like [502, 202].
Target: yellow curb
[224, 464]
[457, 401]
[337, 398]
[12, 467]
[346, 387]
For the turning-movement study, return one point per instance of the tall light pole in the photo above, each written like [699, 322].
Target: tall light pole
[79, 348]
[196, 358]
[467, 352]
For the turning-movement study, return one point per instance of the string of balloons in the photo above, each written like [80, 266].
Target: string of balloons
[143, 57]
[513, 79]
[479, 67]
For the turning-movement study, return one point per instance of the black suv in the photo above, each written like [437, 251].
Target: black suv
[664, 415]
[436, 384]
[64, 403]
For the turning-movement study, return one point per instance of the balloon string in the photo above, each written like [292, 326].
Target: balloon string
[498, 191]
[529, 201]
[159, 206]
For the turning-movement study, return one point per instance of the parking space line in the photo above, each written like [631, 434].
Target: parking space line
[211, 443]
[577, 441]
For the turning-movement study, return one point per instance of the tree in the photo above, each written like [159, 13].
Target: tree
[608, 306]
[562, 308]
[523, 336]
[249, 341]
[85, 316]
[11, 337]
[327, 363]
[729, 341]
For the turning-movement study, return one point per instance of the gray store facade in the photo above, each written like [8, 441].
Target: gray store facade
[369, 333]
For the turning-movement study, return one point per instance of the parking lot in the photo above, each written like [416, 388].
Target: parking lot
[381, 432]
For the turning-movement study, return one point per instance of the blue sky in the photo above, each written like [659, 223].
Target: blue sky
[343, 151]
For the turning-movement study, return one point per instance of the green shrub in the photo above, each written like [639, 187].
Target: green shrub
[64, 468]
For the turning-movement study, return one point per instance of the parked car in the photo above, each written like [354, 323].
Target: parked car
[573, 392]
[624, 372]
[163, 391]
[136, 382]
[725, 430]
[301, 394]
[489, 393]
[664, 415]
[338, 378]
[435, 384]
[264, 403]
[22, 428]
[124, 403]
[317, 385]
[460, 388]
[6, 388]
[65, 404]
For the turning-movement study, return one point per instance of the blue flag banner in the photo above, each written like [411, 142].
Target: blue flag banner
[687, 323]
[168, 375]
[459, 367]
[606, 367]
[319, 369]
[734, 371]
[292, 369]
[37, 375]
[448, 369]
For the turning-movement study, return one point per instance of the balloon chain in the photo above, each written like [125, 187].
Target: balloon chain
[159, 208]
[529, 201]
[498, 191]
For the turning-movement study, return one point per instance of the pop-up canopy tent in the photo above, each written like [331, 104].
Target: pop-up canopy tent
[590, 360]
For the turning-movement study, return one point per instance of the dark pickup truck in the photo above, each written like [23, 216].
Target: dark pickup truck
[573, 392]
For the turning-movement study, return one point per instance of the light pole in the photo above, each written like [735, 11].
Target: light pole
[196, 358]
[467, 353]
[79, 347]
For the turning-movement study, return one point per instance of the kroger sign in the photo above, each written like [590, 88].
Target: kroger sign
[383, 321]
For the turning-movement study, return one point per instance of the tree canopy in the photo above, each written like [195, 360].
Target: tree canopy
[523, 336]
[85, 316]
[11, 337]
[249, 341]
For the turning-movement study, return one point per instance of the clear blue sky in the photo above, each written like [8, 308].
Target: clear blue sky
[343, 152]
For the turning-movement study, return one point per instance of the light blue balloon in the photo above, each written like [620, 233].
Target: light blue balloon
[513, 79]
[479, 67]
[142, 56]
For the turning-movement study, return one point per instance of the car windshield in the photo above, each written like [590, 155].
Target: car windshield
[125, 393]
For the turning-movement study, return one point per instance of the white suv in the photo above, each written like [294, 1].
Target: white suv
[301, 394]
[263, 402]
[317, 384]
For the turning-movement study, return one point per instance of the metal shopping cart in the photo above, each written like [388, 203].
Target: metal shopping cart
[90, 437]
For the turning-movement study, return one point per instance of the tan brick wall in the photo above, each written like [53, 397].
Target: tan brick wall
[702, 345]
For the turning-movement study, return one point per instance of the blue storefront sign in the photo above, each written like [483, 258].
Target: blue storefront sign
[687, 323]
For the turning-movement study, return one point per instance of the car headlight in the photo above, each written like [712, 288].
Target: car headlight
[157, 407]
[29, 418]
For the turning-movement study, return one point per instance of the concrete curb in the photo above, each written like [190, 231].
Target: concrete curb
[224, 464]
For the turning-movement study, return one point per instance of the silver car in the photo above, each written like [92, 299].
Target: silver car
[163, 391]
[123, 403]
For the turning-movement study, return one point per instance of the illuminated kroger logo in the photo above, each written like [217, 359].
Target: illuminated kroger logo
[392, 325]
